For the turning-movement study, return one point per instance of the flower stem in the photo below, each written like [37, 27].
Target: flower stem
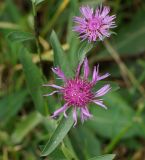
[36, 31]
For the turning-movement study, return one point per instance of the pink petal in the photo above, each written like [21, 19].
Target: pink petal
[75, 116]
[59, 73]
[62, 109]
[105, 12]
[87, 12]
[95, 74]
[86, 68]
[85, 111]
[50, 94]
[100, 103]
[78, 69]
[52, 85]
[103, 90]
[103, 77]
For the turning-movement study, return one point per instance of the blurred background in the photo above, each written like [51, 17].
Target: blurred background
[23, 130]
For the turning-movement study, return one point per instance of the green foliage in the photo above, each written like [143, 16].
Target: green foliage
[11, 104]
[104, 157]
[26, 129]
[58, 135]
[19, 36]
[34, 80]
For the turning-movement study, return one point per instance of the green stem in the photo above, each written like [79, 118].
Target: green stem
[36, 30]
[114, 142]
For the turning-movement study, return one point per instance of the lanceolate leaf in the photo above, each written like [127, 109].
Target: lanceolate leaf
[34, 80]
[58, 135]
[84, 49]
[19, 36]
[104, 157]
[11, 104]
[60, 58]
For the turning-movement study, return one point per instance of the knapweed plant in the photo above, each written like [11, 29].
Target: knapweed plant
[78, 90]
[60, 67]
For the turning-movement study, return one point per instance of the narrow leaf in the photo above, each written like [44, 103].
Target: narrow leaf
[38, 1]
[60, 58]
[104, 157]
[11, 104]
[60, 132]
[84, 49]
[19, 36]
[34, 80]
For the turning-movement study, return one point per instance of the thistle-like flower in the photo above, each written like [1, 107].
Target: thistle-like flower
[94, 25]
[78, 91]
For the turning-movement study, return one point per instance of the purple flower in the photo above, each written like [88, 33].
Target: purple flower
[78, 91]
[94, 25]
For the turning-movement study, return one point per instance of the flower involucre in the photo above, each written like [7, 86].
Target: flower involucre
[94, 25]
[78, 91]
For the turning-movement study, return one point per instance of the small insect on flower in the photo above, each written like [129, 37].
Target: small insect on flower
[78, 91]
[94, 25]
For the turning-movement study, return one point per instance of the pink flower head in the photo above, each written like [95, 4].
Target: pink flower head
[94, 25]
[78, 91]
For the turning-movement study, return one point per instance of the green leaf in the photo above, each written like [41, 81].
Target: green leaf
[119, 114]
[11, 104]
[84, 49]
[38, 1]
[104, 157]
[68, 154]
[13, 11]
[19, 36]
[60, 58]
[25, 126]
[34, 80]
[59, 134]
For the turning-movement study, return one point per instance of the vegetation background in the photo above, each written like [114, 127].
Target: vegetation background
[23, 130]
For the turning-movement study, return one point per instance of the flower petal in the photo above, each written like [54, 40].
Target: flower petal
[87, 12]
[50, 94]
[75, 116]
[62, 109]
[103, 76]
[100, 103]
[86, 68]
[52, 85]
[86, 112]
[103, 90]
[95, 74]
[78, 69]
[105, 11]
[59, 73]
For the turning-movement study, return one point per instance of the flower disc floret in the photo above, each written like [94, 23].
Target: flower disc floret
[78, 92]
